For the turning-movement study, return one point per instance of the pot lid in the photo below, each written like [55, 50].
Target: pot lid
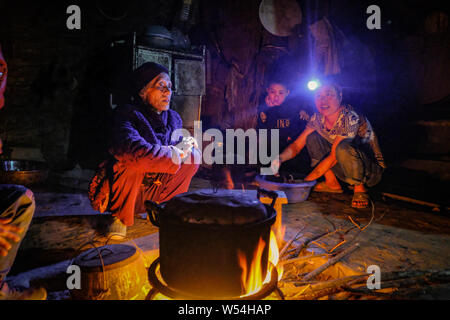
[224, 207]
[113, 256]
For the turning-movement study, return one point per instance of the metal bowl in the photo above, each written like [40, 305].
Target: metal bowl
[22, 172]
[295, 192]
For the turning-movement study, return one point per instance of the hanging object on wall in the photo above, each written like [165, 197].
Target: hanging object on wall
[436, 22]
[3, 74]
[185, 10]
[328, 42]
[279, 17]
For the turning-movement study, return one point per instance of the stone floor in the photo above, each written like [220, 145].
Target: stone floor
[400, 237]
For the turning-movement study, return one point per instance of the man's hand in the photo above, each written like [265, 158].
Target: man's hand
[10, 232]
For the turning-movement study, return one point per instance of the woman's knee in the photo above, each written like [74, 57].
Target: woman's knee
[313, 139]
[24, 204]
[345, 151]
[19, 193]
[318, 147]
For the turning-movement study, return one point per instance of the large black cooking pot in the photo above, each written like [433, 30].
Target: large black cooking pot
[201, 233]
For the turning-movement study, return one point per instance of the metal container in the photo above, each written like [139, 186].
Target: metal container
[111, 272]
[157, 37]
[199, 253]
[22, 172]
[295, 192]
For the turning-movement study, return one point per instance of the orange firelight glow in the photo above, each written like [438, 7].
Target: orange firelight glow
[274, 254]
[279, 233]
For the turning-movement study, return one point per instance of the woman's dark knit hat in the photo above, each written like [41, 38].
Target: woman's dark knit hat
[146, 73]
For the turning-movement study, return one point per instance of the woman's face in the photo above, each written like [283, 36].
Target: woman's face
[327, 100]
[159, 92]
[276, 94]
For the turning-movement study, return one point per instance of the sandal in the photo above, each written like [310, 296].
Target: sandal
[360, 200]
[322, 187]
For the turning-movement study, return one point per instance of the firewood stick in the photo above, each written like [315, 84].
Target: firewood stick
[302, 258]
[319, 285]
[404, 284]
[417, 278]
[398, 275]
[412, 293]
[288, 244]
[317, 238]
[330, 262]
[394, 280]
[368, 292]
[411, 200]
[318, 294]
[305, 243]
[326, 288]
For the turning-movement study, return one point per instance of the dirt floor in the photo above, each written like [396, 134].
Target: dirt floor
[400, 237]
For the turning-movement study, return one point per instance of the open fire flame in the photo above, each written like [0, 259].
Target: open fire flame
[252, 279]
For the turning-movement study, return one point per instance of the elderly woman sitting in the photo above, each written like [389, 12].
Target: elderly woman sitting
[148, 161]
[342, 144]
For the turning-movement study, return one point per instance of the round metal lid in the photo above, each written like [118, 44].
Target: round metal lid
[158, 31]
[279, 17]
[113, 256]
[224, 207]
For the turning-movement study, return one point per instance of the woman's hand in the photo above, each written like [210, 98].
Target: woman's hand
[192, 141]
[186, 146]
[8, 231]
[275, 166]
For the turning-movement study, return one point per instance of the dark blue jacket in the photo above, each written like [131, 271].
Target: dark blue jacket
[285, 118]
[141, 138]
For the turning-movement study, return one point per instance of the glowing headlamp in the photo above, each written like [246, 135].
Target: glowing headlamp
[313, 84]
